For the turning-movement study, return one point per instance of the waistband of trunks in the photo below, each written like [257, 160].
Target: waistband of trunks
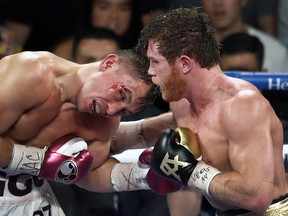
[235, 212]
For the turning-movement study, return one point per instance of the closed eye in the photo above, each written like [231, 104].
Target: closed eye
[152, 61]
[125, 95]
[122, 94]
[126, 112]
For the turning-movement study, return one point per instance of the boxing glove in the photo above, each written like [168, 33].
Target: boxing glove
[139, 176]
[67, 160]
[170, 158]
[157, 183]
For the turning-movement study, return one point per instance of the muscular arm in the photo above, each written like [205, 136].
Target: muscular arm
[141, 134]
[20, 73]
[16, 98]
[108, 174]
[250, 185]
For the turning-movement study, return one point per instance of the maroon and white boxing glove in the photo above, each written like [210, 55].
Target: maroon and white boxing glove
[67, 160]
[139, 176]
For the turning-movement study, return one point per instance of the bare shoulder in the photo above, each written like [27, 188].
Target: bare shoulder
[27, 77]
[35, 63]
[24, 64]
[247, 107]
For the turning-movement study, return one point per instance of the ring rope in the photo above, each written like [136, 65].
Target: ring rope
[263, 80]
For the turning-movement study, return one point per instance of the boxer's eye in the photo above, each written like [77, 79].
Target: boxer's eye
[122, 94]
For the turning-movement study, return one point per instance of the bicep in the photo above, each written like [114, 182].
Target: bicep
[250, 140]
[21, 88]
[12, 105]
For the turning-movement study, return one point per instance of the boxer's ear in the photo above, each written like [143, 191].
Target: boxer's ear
[108, 62]
[185, 64]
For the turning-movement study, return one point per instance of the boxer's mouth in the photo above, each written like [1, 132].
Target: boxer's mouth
[95, 107]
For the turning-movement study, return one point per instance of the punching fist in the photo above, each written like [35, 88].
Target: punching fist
[157, 183]
[172, 158]
[67, 160]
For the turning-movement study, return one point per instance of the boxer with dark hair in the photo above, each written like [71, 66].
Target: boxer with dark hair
[58, 118]
[240, 138]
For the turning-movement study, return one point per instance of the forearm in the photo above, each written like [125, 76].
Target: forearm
[142, 133]
[115, 176]
[153, 127]
[233, 189]
[5, 152]
[99, 179]
[18, 158]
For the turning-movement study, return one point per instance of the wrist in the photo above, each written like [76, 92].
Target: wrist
[25, 159]
[202, 176]
[129, 177]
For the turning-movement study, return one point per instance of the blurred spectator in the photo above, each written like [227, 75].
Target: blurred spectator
[8, 42]
[93, 45]
[257, 13]
[241, 52]
[172, 4]
[149, 9]
[226, 16]
[283, 22]
[121, 16]
[50, 25]
[38, 25]
[261, 15]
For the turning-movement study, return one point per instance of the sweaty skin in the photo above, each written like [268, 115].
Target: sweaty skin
[214, 153]
[238, 131]
[38, 106]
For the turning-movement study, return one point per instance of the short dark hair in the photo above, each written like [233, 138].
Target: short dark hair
[183, 31]
[139, 64]
[93, 33]
[242, 43]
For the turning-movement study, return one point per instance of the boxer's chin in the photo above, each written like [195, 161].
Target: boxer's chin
[170, 96]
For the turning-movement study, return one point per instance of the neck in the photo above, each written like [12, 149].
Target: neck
[201, 93]
[69, 85]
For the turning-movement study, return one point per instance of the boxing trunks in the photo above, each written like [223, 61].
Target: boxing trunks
[28, 196]
[279, 207]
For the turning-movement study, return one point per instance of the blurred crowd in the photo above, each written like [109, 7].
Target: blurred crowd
[253, 34]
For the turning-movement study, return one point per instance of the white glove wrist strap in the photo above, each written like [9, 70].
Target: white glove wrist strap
[129, 177]
[202, 176]
[25, 159]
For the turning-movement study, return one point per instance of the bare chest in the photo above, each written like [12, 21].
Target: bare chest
[43, 125]
[210, 138]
